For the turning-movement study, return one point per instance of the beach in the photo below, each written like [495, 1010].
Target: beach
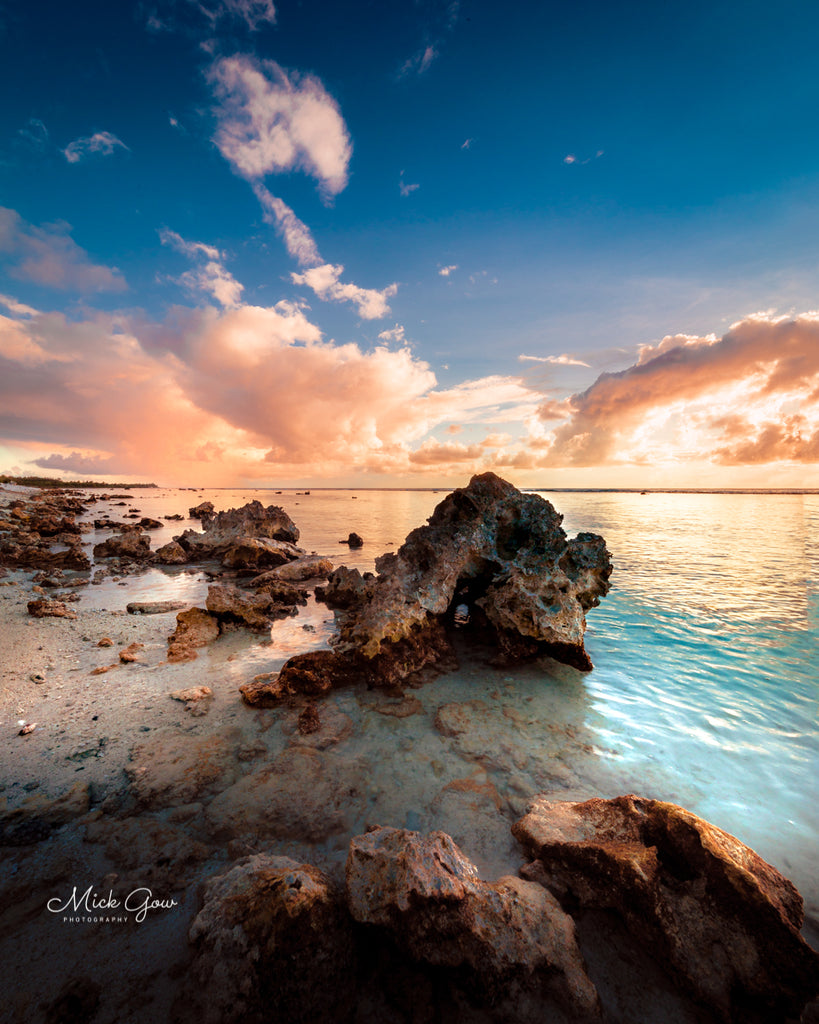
[123, 787]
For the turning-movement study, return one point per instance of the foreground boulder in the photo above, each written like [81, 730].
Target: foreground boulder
[509, 939]
[491, 560]
[273, 941]
[711, 910]
[252, 536]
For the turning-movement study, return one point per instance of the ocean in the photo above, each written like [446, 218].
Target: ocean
[704, 688]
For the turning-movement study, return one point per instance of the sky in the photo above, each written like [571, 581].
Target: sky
[398, 242]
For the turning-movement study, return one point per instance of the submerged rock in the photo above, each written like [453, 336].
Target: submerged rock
[511, 937]
[711, 910]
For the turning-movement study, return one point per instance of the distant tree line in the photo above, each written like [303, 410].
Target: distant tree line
[50, 481]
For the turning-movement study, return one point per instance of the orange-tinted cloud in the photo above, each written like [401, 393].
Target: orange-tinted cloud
[676, 397]
[49, 256]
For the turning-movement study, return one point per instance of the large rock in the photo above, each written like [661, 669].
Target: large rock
[204, 511]
[171, 554]
[134, 545]
[273, 941]
[232, 606]
[724, 921]
[490, 559]
[510, 936]
[258, 553]
[227, 534]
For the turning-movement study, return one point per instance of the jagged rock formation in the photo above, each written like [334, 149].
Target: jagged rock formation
[723, 920]
[416, 935]
[509, 939]
[490, 556]
[249, 537]
[204, 511]
[133, 544]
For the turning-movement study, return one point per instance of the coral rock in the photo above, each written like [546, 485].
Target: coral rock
[500, 554]
[194, 628]
[237, 526]
[171, 554]
[511, 935]
[724, 921]
[272, 941]
[45, 607]
[133, 544]
[233, 606]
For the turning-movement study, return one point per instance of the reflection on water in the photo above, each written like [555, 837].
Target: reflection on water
[704, 689]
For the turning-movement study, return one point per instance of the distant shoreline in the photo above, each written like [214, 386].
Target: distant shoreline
[49, 482]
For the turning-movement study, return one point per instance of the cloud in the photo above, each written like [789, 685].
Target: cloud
[563, 360]
[76, 462]
[274, 121]
[397, 334]
[252, 12]
[297, 236]
[750, 396]
[404, 188]
[103, 143]
[34, 134]
[446, 271]
[232, 393]
[570, 159]
[48, 256]
[445, 18]
[419, 62]
[325, 282]
[210, 276]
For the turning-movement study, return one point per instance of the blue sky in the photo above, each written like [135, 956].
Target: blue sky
[577, 241]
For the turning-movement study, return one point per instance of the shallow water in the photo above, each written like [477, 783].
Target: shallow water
[704, 690]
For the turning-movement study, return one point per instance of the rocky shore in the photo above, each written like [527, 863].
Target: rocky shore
[351, 836]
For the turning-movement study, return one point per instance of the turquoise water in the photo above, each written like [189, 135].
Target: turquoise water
[704, 690]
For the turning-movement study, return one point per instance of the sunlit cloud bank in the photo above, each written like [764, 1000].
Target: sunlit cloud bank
[749, 397]
[246, 393]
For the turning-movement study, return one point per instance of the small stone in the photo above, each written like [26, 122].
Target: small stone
[130, 653]
[105, 642]
[192, 693]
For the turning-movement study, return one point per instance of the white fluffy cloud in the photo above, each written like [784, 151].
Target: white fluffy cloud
[210, 276]
[371, 303]
[103, 143]
[272, 121]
